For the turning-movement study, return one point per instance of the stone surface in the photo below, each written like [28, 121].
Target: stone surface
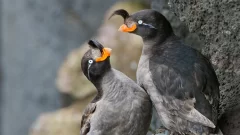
[65, 121]
[36, 36]
[217, 23]
[229, 122]
[179, 27]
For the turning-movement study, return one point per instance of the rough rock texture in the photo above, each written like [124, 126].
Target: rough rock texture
[36, 36]
[179, 27]
[229, 122]
[65, 121]
[217, 23]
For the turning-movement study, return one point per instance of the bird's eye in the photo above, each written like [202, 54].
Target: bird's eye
[140, 21]
[90, 61]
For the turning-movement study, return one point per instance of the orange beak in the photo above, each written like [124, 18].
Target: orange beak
[125, 28]
[106, 53]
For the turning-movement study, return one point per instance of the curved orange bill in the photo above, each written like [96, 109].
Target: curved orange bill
[106, 52]
[125, 28]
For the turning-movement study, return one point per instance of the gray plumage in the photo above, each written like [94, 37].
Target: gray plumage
[179, 80]
[185, 101]
[121, 107]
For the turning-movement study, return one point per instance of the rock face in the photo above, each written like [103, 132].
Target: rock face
[65, 121]
[36, 36]
[179, 27]
[217, 23]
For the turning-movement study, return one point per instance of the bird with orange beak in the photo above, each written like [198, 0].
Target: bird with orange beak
[121, 107]
[180, 81]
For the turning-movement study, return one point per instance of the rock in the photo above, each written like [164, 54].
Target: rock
[217, 23]
[65, 121]
[179, 27]
[229, 122]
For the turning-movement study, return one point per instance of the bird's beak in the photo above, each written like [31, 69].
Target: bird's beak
[106, 52]
[125, 15]
[125, 28]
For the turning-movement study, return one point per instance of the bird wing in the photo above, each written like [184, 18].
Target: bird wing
[85, 123]
[182, 87]
[185, 109]
[206, 79]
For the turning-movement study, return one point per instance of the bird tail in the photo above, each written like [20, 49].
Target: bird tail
[219, 132]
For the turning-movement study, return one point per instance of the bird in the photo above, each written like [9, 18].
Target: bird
[121, 106]
[180, 81]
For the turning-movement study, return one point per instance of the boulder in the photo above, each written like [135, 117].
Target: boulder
[65, 121]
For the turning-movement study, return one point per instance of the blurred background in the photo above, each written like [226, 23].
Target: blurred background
[42, 88]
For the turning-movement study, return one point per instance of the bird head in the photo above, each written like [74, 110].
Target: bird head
[146, 23]
[95, 61]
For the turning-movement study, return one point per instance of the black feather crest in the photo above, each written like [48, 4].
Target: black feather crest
[95, 44]
[120, 12]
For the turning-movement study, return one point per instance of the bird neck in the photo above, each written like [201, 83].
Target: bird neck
[98, 78]
[155, 42]
[108, 88]
[98, 83]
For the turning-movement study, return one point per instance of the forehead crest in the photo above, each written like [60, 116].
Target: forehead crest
[95, 53]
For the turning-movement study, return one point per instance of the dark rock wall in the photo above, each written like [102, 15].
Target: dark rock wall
[36, 37]
[179, 27]
[217, 23]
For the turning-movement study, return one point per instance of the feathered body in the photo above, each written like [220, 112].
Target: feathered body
[180, 81]
[121, 107]
[182, 86]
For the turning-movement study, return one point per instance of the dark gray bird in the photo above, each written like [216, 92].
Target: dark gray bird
[180, 81]
[121, 107]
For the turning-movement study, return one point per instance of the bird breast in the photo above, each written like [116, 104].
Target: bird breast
[144, 78]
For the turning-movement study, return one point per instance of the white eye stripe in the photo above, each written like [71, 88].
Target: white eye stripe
[90, 61]
[140, 21]
[149, 25]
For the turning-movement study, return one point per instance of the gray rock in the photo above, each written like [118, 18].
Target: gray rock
[179, 27]
[36, 37]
